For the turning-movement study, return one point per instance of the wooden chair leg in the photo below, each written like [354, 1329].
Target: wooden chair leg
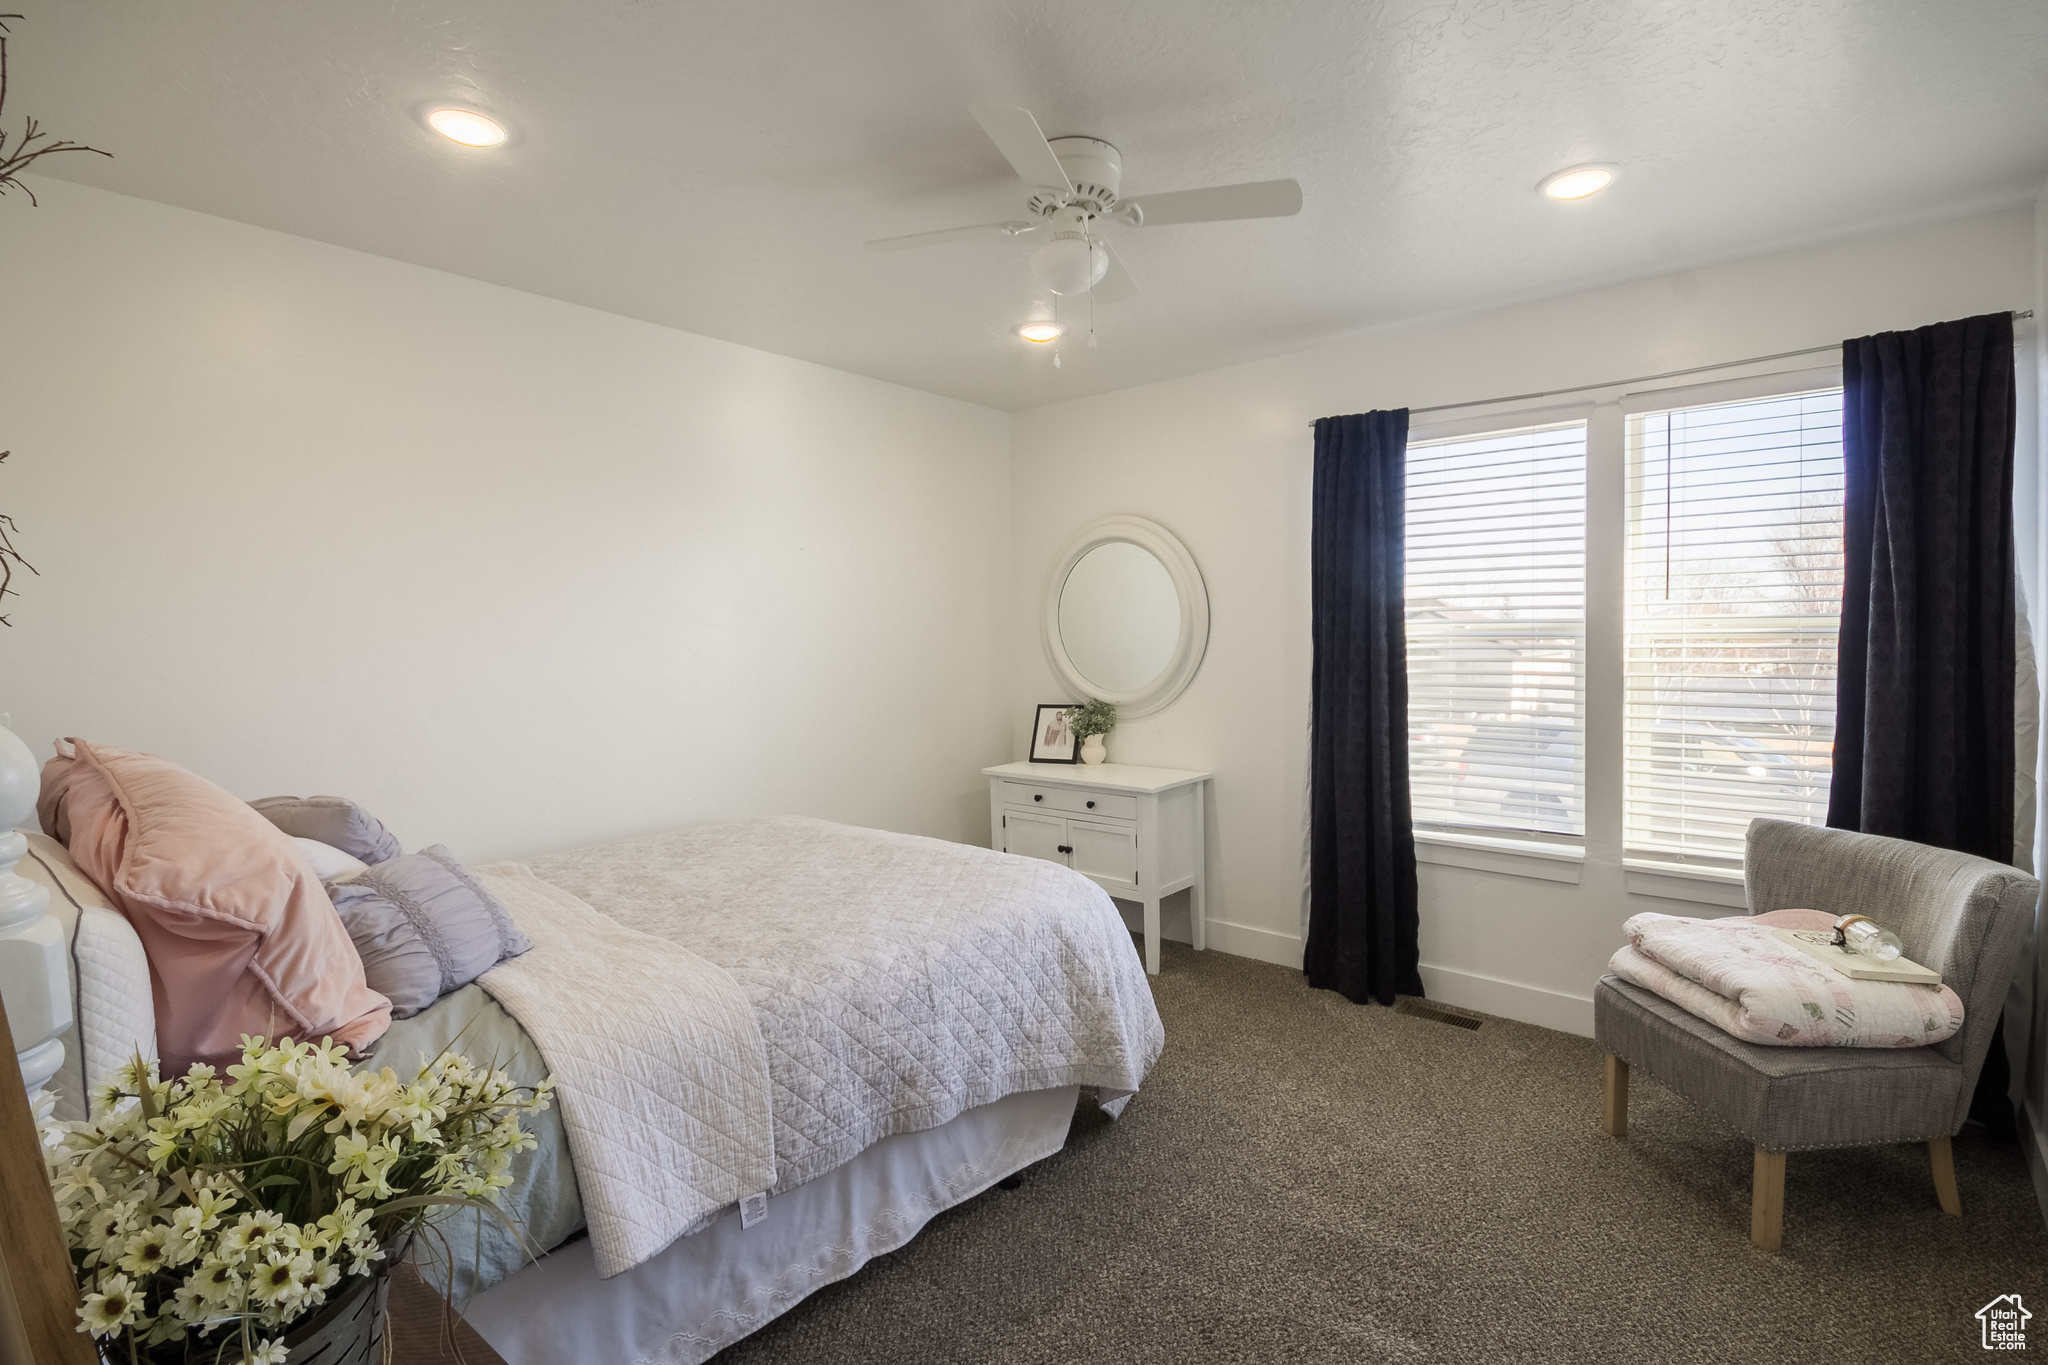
[1767, 1201]
[1614, 1099]
[1942, 1154]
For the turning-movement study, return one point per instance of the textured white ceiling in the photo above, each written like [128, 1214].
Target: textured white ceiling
[717, 167]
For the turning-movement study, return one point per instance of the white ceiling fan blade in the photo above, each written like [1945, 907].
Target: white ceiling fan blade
[1116, 283]
[1017, 136]
[917, 239]
[1254, 199]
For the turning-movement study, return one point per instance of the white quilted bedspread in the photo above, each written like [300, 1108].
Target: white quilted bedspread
[661, 1075]
[897, 980]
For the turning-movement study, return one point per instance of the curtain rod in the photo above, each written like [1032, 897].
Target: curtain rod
[2018, 314]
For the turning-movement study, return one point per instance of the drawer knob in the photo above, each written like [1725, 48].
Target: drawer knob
[1066, 848]
[1038, 796]
[1091, 805]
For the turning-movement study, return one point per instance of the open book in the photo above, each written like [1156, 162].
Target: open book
[1819, 945]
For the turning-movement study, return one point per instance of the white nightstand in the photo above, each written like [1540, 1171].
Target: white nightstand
[1135, 832]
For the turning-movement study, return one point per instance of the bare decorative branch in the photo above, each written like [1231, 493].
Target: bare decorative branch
[25, 151]
[9, 556]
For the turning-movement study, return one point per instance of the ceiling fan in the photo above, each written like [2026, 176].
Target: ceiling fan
[1075, 186]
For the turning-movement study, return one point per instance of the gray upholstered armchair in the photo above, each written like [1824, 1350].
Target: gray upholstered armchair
[1966, 917]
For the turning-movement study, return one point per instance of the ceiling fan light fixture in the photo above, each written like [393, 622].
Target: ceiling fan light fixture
[1070, 263]
[1041, 332]
[1578, 182]
[467, 127]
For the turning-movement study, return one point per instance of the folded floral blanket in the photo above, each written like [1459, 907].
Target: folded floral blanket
[1736, 975]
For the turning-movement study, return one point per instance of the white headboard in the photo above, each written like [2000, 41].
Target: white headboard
[35, 975]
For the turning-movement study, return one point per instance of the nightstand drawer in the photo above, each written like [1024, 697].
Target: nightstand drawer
[1071, 801]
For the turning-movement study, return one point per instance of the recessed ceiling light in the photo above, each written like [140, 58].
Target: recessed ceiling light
[1580, 182]
[1040, 331]
[467, 127]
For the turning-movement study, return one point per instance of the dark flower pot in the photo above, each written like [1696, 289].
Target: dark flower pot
[348, 1329]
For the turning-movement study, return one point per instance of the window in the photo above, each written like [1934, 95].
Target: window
[1734, 598]
[1496, 619]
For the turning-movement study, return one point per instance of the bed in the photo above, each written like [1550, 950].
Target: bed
[782, 1046]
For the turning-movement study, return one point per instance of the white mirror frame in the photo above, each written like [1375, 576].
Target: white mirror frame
[1194, 614]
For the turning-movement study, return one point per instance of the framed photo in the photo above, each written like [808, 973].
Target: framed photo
[1052, 738]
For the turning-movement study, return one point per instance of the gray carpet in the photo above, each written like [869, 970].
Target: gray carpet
[1307, 1180]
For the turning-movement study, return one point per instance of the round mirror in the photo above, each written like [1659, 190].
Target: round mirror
[1119, 617]
[1126, 615]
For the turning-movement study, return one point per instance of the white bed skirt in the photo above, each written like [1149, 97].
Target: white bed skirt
[708, 1290]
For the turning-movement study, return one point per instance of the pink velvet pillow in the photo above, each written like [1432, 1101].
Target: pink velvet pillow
[241, 938]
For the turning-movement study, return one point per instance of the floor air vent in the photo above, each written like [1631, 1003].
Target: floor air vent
[1442, 1014]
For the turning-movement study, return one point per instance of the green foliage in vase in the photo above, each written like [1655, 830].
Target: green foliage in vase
[207, 1217]
[1096, 718]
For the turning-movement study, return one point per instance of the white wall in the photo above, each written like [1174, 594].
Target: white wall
[1223, 460]
[520, 575]
[513, 573]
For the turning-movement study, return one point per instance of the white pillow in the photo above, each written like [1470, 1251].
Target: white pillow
[329, 863]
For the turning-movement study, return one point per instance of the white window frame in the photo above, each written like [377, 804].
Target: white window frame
[1562, 859]
[1660, 872]
[1524, 853]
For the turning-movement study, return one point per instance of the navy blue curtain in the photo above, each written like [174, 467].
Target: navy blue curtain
[1924, 704]
[1362, 907]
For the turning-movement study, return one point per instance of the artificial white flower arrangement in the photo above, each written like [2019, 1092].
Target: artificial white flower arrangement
[207, 1218]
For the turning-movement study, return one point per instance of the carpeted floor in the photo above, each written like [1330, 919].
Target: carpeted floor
[1305, 1180]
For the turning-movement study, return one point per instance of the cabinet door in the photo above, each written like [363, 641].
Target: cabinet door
[1106, 851]
[1035, 836]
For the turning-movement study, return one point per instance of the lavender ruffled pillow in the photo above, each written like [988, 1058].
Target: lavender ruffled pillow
[423, 927]
[334, 821]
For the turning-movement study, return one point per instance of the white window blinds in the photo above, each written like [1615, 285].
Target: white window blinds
[1734, 598]
[1496, 617]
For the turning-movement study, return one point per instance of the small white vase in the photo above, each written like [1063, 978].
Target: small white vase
[1092, 750]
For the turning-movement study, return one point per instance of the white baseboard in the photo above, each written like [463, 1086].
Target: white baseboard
[1264, 945]
[1510, 999]
[1239, 940]
[1173, 918]
[1487, 994]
